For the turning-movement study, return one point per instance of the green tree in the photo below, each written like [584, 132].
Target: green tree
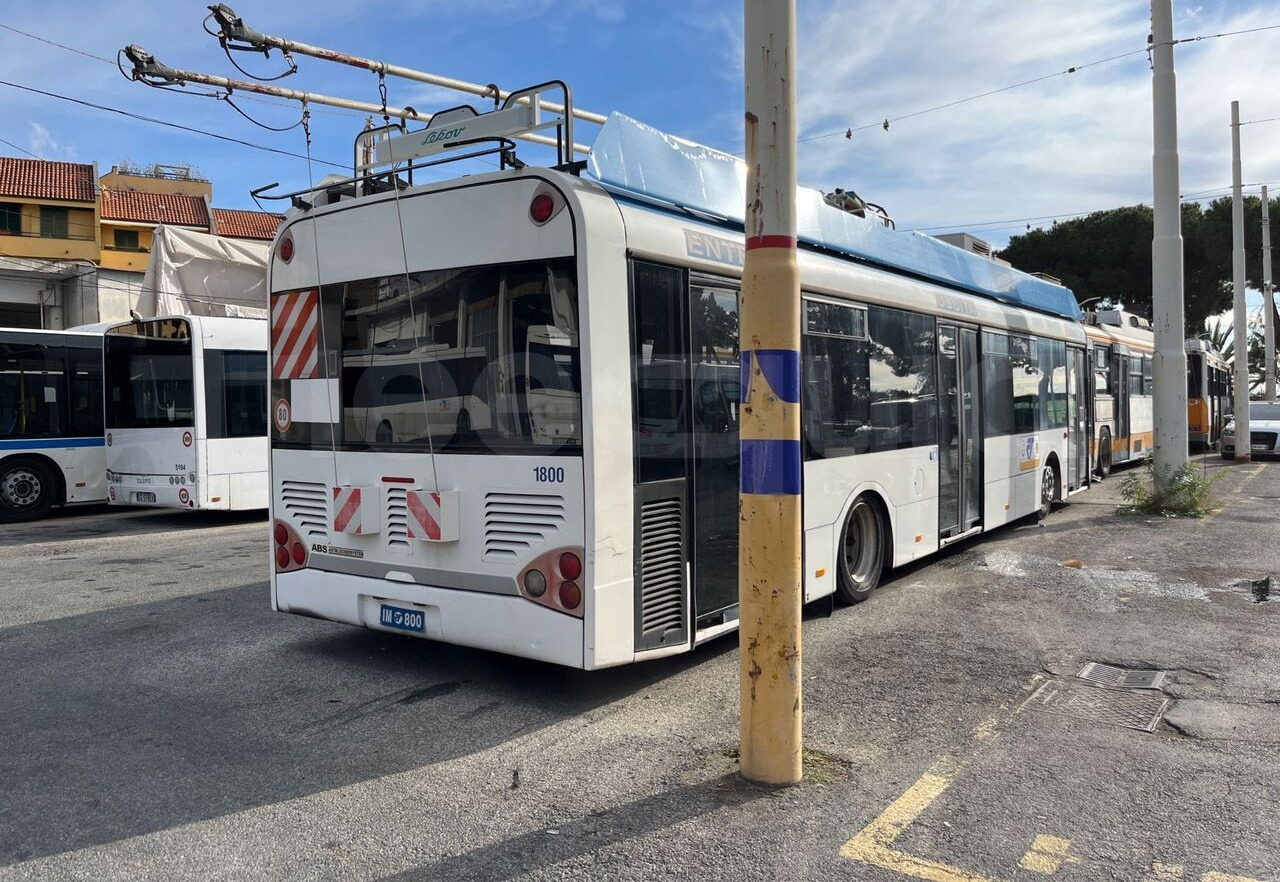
[1106, 256]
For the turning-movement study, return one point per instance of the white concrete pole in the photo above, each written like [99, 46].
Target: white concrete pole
[1169, 367]
[1268, 300]
[1240, 325]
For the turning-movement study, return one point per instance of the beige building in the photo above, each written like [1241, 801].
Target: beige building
[74, 246]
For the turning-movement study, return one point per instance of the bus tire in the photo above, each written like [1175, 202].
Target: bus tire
[862, 550]
[1104, 454]
[27, 489]
[464, 423]
[383, 434]
[1048, 490]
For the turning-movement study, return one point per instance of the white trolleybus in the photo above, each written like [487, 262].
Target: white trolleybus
[505, 406]
[1123, 410]
[51, 445]
[186, 412]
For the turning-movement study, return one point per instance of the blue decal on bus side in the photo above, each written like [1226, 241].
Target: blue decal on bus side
[771, 467]
[50, 443]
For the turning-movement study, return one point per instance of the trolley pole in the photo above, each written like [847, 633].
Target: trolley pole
[1169, 367]
[1240, 323]
[769, 577]
[1268, 302]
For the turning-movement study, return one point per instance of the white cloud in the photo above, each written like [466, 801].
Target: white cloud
[41, 142]
[1070, 143]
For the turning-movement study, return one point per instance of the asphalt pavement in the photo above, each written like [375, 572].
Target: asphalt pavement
[159, 722]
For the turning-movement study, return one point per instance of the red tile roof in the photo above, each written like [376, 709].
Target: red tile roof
[41, 179]
[154, 208]
[238, 224]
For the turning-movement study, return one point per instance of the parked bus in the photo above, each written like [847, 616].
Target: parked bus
[51, 445]
[1209, 395]
[1123, 414]
[186, 412]
[586, 514]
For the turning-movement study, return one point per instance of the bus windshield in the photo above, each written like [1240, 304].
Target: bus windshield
[149, 378]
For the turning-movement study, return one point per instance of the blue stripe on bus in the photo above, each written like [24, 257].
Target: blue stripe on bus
[50, 443]
[771, 467]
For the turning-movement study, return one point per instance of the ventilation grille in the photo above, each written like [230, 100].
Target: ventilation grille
[661, 569]
[306, 505]
[516, 522]
[398, 518]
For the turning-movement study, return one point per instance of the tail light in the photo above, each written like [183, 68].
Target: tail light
[290, 550]
[553, 579]
[570, 595]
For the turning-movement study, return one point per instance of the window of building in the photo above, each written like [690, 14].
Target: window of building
[10, 219]
[126, 240]
[54, 222]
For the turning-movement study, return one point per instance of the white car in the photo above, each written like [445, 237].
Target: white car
[1264, 431]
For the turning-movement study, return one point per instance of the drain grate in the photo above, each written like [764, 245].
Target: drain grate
[1132, 710]
[1120, 678]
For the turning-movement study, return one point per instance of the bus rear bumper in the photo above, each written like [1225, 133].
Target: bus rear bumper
[501, 623]
[160, 493]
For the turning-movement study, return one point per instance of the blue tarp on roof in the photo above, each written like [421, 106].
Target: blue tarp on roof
[629, 157]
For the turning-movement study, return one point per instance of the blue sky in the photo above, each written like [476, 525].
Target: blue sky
[1067, 144]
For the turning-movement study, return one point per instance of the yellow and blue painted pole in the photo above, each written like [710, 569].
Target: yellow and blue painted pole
[769, 526]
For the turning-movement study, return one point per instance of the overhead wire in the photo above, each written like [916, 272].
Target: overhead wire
[849, 131]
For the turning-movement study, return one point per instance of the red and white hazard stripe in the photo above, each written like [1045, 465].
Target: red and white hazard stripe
[424, 515]
[295, 318]
[346, 510]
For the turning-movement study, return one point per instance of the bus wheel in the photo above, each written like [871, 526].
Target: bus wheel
[464, 423]
[862, 543]
[1104, 454]
[26, 490]
[1048, 491]
[382, 434]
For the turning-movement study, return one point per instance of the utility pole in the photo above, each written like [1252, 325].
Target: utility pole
[1240, 324]
[1169, 367]
[1268, 301]
[769, 574]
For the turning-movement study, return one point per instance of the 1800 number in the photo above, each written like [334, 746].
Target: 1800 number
[548, 475]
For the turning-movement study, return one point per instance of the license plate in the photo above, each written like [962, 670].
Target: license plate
[145, 496]
[403, 619]
[1262, 447]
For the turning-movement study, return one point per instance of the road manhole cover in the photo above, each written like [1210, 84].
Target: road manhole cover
[1132, 710]
[1121, 678]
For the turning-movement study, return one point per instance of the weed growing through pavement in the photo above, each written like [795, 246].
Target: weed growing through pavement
[1188, 494]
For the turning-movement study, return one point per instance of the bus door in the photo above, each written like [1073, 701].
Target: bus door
[960, 428]
[1120, 383]
[686, 382]
[1079, 422]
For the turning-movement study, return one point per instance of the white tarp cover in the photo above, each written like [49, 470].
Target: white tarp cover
[191, 273]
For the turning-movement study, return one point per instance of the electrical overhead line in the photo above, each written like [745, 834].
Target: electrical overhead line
[23, 149]
[885, 124]
[171, 125]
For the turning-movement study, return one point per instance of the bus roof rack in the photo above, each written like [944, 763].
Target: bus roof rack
[636, 161]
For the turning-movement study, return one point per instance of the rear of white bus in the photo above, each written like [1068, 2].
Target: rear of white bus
[427, 465]
[149, 369]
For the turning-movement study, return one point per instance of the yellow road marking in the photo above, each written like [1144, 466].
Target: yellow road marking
[1047, 854]
[873, 843]
[1247, 478]
[1163, 873]
[1223, 877]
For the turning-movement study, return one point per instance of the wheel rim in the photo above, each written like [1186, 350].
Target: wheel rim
[861, 544]
[21, 488]
[1046, 489]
